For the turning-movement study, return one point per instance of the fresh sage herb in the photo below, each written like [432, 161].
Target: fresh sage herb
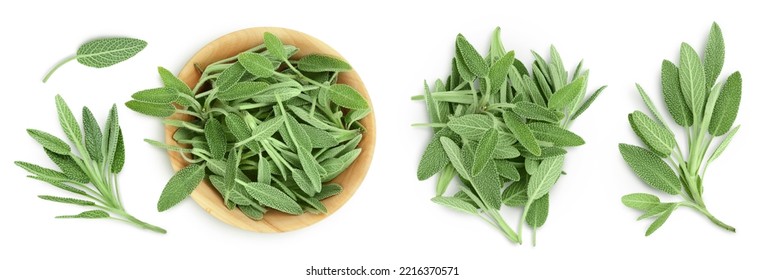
[502, 130]
[706, 109]
[268, 130]
[88, 169]
[102, 53]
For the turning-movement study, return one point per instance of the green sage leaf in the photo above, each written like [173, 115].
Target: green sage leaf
[50, 142]
[714, 54]
[640, 201]
[692, 80]
[673, 97]
[650, 168]
[545, 177]
[92, 214]
[726, 108]
[180, 186]
[216, 138]
[456, 204]
[256, 64]
[272, 197]
[161, 95]
[322, 63]
[522, 132]
[151, 109]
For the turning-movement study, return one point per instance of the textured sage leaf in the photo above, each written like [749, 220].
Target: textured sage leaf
[50, 142]
[484, 151]
[657, 137]
[656, 210]
[507, 170]
[545, 177]
[171, 81]
[311, 167]
[296, 133]
[587, 103]
[433, 108]
[640, 201]
[161, 95]
[91, 214]
[69, 167]
[180, 186]
[472, 126]
[242, 90]
[532, 90]
[93, 135]
[673, 97]
[651, 106]
[322, 63]
[251, 212]
[453, 152]
[496, 49]
[111, 137]
[106, 52]
[68, 123]
[319, 138]
[274, 46]
[473, 60]
[444, 178]
[264, 171]
[42, 172]
[659, 221]
[505, 149]
[266, 129]
[533, 111]
[692, 80]
[67, 200]
[256, 64]
[347, 97]
[308, 118]
[230, 76]
[272, 197]
[724, 144]
[555, 134]
[329, 190]
[434, 158]
[515, 194]
[538, 210]
[531, 165]
[456, 204]
[151, 109]
[487, 185]
[650, 168]
[566, 95]
[498, 71]
[229, 178]
[547, 152]
[303, 182]
[714, 54]
[522, 132]
[236, 194]
[216, 138]
[314, 203]
[726, 108]
[58, 184]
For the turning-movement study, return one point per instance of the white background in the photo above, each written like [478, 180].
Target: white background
[390, 222]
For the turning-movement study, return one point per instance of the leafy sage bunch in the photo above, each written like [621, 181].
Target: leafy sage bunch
[502, 130]
[269, 131]
[706, 109]
[89, 169]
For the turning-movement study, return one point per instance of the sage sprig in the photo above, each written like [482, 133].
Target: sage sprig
[502, 130]
[105, 52]
[267, 129]
[89, 169]
[706, 109]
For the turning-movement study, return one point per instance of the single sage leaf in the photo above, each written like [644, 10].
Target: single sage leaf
[692, 80]
[242, 90]
[566, 95]
[724, 144]
[474, 62]
[650, 168]
[274, 46]
[515, 194]
[726, 108]
[555, 134]
[538, 211]
[69, 167]
[487, 185]
[660, 221]
[456, 204]
[587, 103]
[545, 177]
[522, 132]
[472, 126]
[533, 111]
[640, 201]
[673, 97]
[151, 109]
[171, 81]
[256, 64]
[453, 152]
[68, 123]
[50, 142]
[507, 170]
[230, 76]
[347, 97]
[67, 200]
[93, 135]
[272, 197]
[216, 138]
[484, 151]
[322, 63]
[103, 52]
[91, 214]
[161, 95]
[180, 186]
[714, 54]
[657, 137]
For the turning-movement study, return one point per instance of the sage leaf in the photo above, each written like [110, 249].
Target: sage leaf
[180, 186]
[456, 204]
[654, 135]
[472, 126]
[659, 221]
[256, 64]
[151, 109]
[522, 132]
[714, 54]
[538, 211]
[566, 95]
[161, 95]
[91, 214]
[242, 90]
[266, 129]
[251, 212]
[49, 142]
[507, 170]
[67, 200]
[724, 144]
[499, 70]
[640, 201]
[171, 81]
[93, 135]
[322, 63]
[329, 190]
[673, 97]
[45, 173]
[118, 161]
[230, 76]
[692, 80]
[533, 111]
[69, 167]
[650, 168]
[347, 97]
[545, 177]
[587, 103]
[726, 108]
[515, 194]
[555, 134]
[453, 152]
[103, 52]
[274, 46]
[487, 185]
[216, 138]
[474, 62]
[68, 123]
[272, 197]
[484, 151]
[314, 203]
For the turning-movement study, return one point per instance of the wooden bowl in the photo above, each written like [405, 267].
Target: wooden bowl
[273, 221]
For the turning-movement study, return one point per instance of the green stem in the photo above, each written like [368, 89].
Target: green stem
[711, 217]
[523, 219]
[47, 76]
[506, 230]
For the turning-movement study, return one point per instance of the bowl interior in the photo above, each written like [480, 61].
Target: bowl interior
[273, 221]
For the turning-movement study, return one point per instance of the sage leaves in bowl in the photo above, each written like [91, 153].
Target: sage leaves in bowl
[502, 130]
[706, 110]
[278, 129]
[88, 170]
